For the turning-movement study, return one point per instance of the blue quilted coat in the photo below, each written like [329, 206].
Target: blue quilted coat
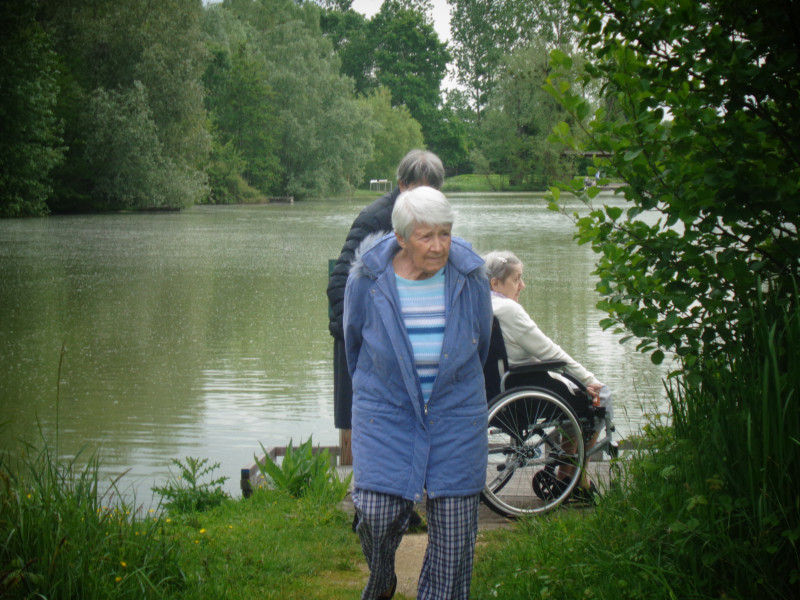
[397, 448]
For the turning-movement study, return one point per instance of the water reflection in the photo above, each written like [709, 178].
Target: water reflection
[204, 333]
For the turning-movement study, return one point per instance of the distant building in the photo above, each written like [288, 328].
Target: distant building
[381, 185]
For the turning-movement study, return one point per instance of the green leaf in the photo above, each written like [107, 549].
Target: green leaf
[614, 212]
[631, 155]
[560, 59]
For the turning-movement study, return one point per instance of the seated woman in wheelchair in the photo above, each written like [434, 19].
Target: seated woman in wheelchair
[524, 340]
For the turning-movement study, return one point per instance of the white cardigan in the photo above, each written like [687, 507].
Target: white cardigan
[525, 341]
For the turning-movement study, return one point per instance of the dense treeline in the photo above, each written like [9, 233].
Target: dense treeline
[123, 104]
[126, 104]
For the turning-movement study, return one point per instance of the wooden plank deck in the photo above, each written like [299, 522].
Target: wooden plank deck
[599, 472]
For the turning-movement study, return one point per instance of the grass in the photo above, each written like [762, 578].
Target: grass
[475, 182]
[658, 538]
[65, 538]
[646, 540]
[270, 546]
[709, 509]
[622, 549]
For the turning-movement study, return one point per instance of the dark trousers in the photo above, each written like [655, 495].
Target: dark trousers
[342, 388]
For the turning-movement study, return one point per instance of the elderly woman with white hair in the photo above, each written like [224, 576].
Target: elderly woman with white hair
[524, 341]
[417, 323]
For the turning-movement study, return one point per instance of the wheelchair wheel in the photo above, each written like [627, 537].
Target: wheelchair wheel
[536, 452]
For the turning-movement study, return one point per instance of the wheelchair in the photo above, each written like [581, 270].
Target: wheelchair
[541, 422]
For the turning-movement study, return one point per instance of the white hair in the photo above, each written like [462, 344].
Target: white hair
[420, 206]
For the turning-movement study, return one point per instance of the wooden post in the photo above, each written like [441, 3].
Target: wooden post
[244, 484]
[345, 449]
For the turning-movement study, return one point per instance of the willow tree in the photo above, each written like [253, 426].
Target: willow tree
[322, 134]
[241, 105]
[131, 101]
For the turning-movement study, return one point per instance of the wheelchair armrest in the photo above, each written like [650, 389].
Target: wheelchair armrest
[537, 366]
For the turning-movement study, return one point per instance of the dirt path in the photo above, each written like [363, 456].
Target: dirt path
[408, 562]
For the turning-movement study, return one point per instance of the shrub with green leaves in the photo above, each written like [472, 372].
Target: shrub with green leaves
[304, 473]
[696, 116]
[185, 493]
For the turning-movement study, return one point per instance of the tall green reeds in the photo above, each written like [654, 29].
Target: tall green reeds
[64, 537]
[742, 426]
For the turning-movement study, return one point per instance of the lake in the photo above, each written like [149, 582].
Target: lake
[204, 333]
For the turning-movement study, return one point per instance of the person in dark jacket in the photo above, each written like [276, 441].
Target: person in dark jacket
[418, 167]
[417, 326]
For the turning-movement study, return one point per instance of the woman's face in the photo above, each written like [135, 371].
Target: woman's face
[511, 286]
[428, 248]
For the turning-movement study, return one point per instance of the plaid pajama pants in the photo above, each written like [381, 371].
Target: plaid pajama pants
[452, 531]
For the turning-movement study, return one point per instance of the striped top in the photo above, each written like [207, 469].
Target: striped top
[422, 308]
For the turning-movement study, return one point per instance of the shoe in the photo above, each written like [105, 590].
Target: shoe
[583, 495]
[390, 592]
[547, 486]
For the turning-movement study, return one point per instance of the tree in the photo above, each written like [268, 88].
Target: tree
[447, 137]
[340, 5]
[702, 261]
[31, 144]
[519, 119]
[411, 63]
[484, 33]
[480, 40]
[125, 157]
[706, 143]
[353, 42]
[410, 60]
[323, 135]
[399, 50]
[171, 65]
[241, 105]
[126, 52]
[396, 133]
